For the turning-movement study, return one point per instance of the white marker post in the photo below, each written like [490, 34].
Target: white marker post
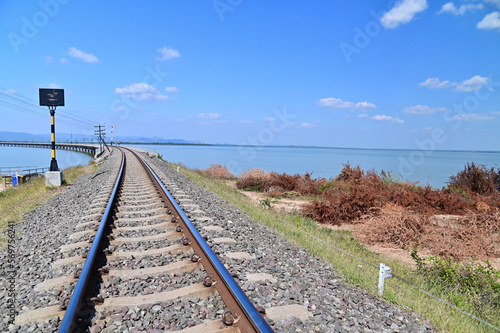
[384, 273]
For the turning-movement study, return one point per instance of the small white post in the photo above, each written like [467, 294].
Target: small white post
[178, 168]
[383, 273]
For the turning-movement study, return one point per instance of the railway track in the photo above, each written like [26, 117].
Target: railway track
[139, 260]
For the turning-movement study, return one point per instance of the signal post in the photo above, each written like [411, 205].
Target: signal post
[52, 98]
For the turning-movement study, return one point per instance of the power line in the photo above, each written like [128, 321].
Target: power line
[24, 104]
[43, 115]
[31, 103]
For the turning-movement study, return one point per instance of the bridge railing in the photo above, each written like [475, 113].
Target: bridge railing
[79, 147]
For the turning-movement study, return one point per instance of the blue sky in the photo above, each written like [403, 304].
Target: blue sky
[366, 74]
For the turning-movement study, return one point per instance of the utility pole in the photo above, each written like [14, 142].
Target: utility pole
[98, 133]
[101, 134]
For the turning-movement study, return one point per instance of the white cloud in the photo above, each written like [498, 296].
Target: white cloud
[171, 89]
[403, 12]
[490, 21]
[422, 109]
[140, 92]
[54, 86]
[365, 105]
[209, 115]
[388, 119]
[309, 125]
[168, 53]
[363, 115]
[449, 7]
[474, 83]
[434, 83]
[496, 113]
[337, 103]
[268, 119]
[63, 61]
[245, 122]
[471, 117]
[49, 59]
[213, 122]
[87, 57]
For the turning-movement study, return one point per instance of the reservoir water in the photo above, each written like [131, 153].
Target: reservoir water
[425, 167]
[40, 157]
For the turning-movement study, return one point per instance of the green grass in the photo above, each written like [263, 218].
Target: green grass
[14, 202]
[325, 243]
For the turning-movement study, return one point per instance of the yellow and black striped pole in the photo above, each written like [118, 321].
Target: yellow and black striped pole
[53, 162]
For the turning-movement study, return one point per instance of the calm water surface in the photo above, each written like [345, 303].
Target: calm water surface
[40, 157]
[426, 167]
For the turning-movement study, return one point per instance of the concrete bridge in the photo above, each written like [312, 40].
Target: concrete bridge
[90, 149]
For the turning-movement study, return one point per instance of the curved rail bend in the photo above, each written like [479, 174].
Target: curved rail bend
[240, 312]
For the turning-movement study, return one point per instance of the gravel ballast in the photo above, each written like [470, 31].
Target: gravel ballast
[301, 277]
[298, 278]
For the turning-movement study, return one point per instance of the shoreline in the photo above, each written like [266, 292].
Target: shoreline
[302, 147]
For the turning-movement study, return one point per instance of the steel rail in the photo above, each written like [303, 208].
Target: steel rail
[67, 324]
[248, 318]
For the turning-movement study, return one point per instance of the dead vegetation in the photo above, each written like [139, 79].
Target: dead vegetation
[277, 184]
[453, 236]
[398, 213]
[217, 171]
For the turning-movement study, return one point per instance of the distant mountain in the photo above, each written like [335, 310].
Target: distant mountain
[66, 137]
[17, 136]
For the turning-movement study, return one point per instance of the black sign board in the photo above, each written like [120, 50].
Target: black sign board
[51, 97]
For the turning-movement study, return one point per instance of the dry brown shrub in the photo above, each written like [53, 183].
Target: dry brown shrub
[217, 171]
[356, 193]
[399, 214]
[428, 201]
[253, 180]
[323, 211]
[343, 207]
[259, 180]
[285, 181]
[396, 226]
[476, 178]
[350, 174]
[473, 236]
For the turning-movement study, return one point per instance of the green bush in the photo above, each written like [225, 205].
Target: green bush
[471, 285]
